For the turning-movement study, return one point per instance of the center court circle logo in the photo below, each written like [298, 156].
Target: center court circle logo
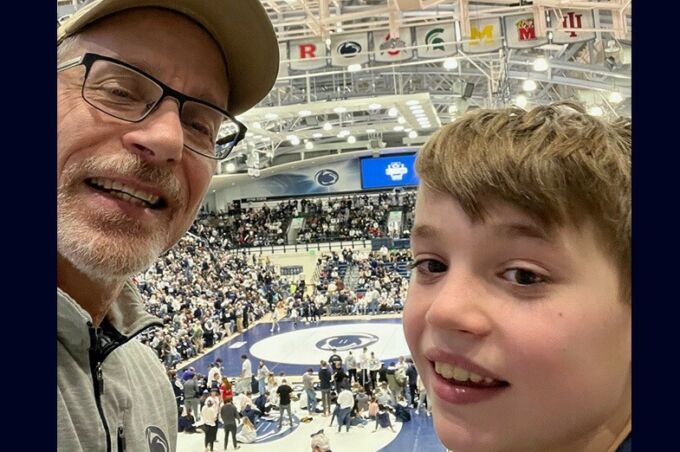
[326, 177]
[346, 342]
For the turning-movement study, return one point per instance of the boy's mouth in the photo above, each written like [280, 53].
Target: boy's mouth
[461, 377]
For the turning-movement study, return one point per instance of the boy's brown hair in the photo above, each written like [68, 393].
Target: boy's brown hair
[556, 163]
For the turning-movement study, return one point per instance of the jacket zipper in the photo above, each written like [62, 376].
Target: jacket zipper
[97, 379]
[97, 356]
[121, 439]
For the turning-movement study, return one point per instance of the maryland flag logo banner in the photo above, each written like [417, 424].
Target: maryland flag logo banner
[520, 32]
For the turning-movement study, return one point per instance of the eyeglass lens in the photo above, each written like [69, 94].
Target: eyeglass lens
[126, 94]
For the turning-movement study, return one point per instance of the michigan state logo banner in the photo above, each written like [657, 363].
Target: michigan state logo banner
[520, 32]
[349, 49]
[390, 48]
[567, 28]
[485, 36]
[307, 54]
[436, 41]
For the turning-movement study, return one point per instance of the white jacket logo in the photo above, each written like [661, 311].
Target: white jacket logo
[396, 170]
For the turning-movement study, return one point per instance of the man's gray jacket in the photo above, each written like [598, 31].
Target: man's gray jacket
[113, 393]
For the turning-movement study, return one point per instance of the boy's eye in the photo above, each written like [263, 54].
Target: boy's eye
[428, 266]
[523, 277]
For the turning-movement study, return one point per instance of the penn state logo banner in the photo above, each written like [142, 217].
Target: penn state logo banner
[436, 41]
[349, 49]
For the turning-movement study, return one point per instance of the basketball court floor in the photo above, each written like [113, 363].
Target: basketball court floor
[293, 350]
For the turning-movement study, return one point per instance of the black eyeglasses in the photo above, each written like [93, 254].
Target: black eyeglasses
[127, 93]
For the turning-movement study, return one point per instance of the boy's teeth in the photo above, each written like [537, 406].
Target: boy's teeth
[460, 374]
[449, 372]
[475, 378]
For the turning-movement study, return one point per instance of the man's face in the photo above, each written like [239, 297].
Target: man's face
[520, 336]
[108, 236]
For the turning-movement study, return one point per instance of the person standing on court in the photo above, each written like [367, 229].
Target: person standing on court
[351, 363]
[246, 373]
[230, 417]
[284, 391]
[308, 385]
[147, 93]
[325, 387]
[262, 372]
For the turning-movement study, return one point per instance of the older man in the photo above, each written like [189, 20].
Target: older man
[147, 92]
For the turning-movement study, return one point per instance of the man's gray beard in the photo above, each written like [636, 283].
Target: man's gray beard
[104, 247]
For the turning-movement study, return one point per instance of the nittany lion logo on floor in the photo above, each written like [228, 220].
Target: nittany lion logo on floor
[346, 342]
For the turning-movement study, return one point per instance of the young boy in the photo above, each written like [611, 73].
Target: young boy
[519, 313]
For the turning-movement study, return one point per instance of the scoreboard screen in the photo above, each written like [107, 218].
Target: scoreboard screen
[388, 171]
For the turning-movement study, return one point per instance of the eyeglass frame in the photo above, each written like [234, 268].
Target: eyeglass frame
[89, 58]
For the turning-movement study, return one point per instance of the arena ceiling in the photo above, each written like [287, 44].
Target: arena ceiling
[331, 112]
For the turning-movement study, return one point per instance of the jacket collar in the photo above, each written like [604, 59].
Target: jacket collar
[126, 315]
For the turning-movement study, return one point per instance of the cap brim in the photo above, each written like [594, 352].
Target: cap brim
[240, 27]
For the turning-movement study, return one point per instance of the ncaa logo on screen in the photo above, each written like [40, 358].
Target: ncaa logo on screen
[326, 177]
[347, 342]
[396, 171]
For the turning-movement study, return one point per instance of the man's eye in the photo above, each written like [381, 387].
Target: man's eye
[523, 277]
[428, 266]
[201, 128]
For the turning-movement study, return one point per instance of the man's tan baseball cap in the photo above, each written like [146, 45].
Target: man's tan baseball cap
[240, 27]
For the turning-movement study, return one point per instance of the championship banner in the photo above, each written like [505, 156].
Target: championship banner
[436, 41]
[307, 54]
[283, 55]
[485, 36]
[573, 19]
[520, 32]
[390, 48]
[349, 49]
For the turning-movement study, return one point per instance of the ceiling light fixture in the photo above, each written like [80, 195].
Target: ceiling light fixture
[615, 97]
[450, 64]
[521, 101]
[595, 110]
[540, 64]
[529, 85]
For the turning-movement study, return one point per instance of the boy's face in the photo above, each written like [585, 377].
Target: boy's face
[536, 317]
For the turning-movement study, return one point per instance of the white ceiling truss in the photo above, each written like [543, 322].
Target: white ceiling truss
[302, 102]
